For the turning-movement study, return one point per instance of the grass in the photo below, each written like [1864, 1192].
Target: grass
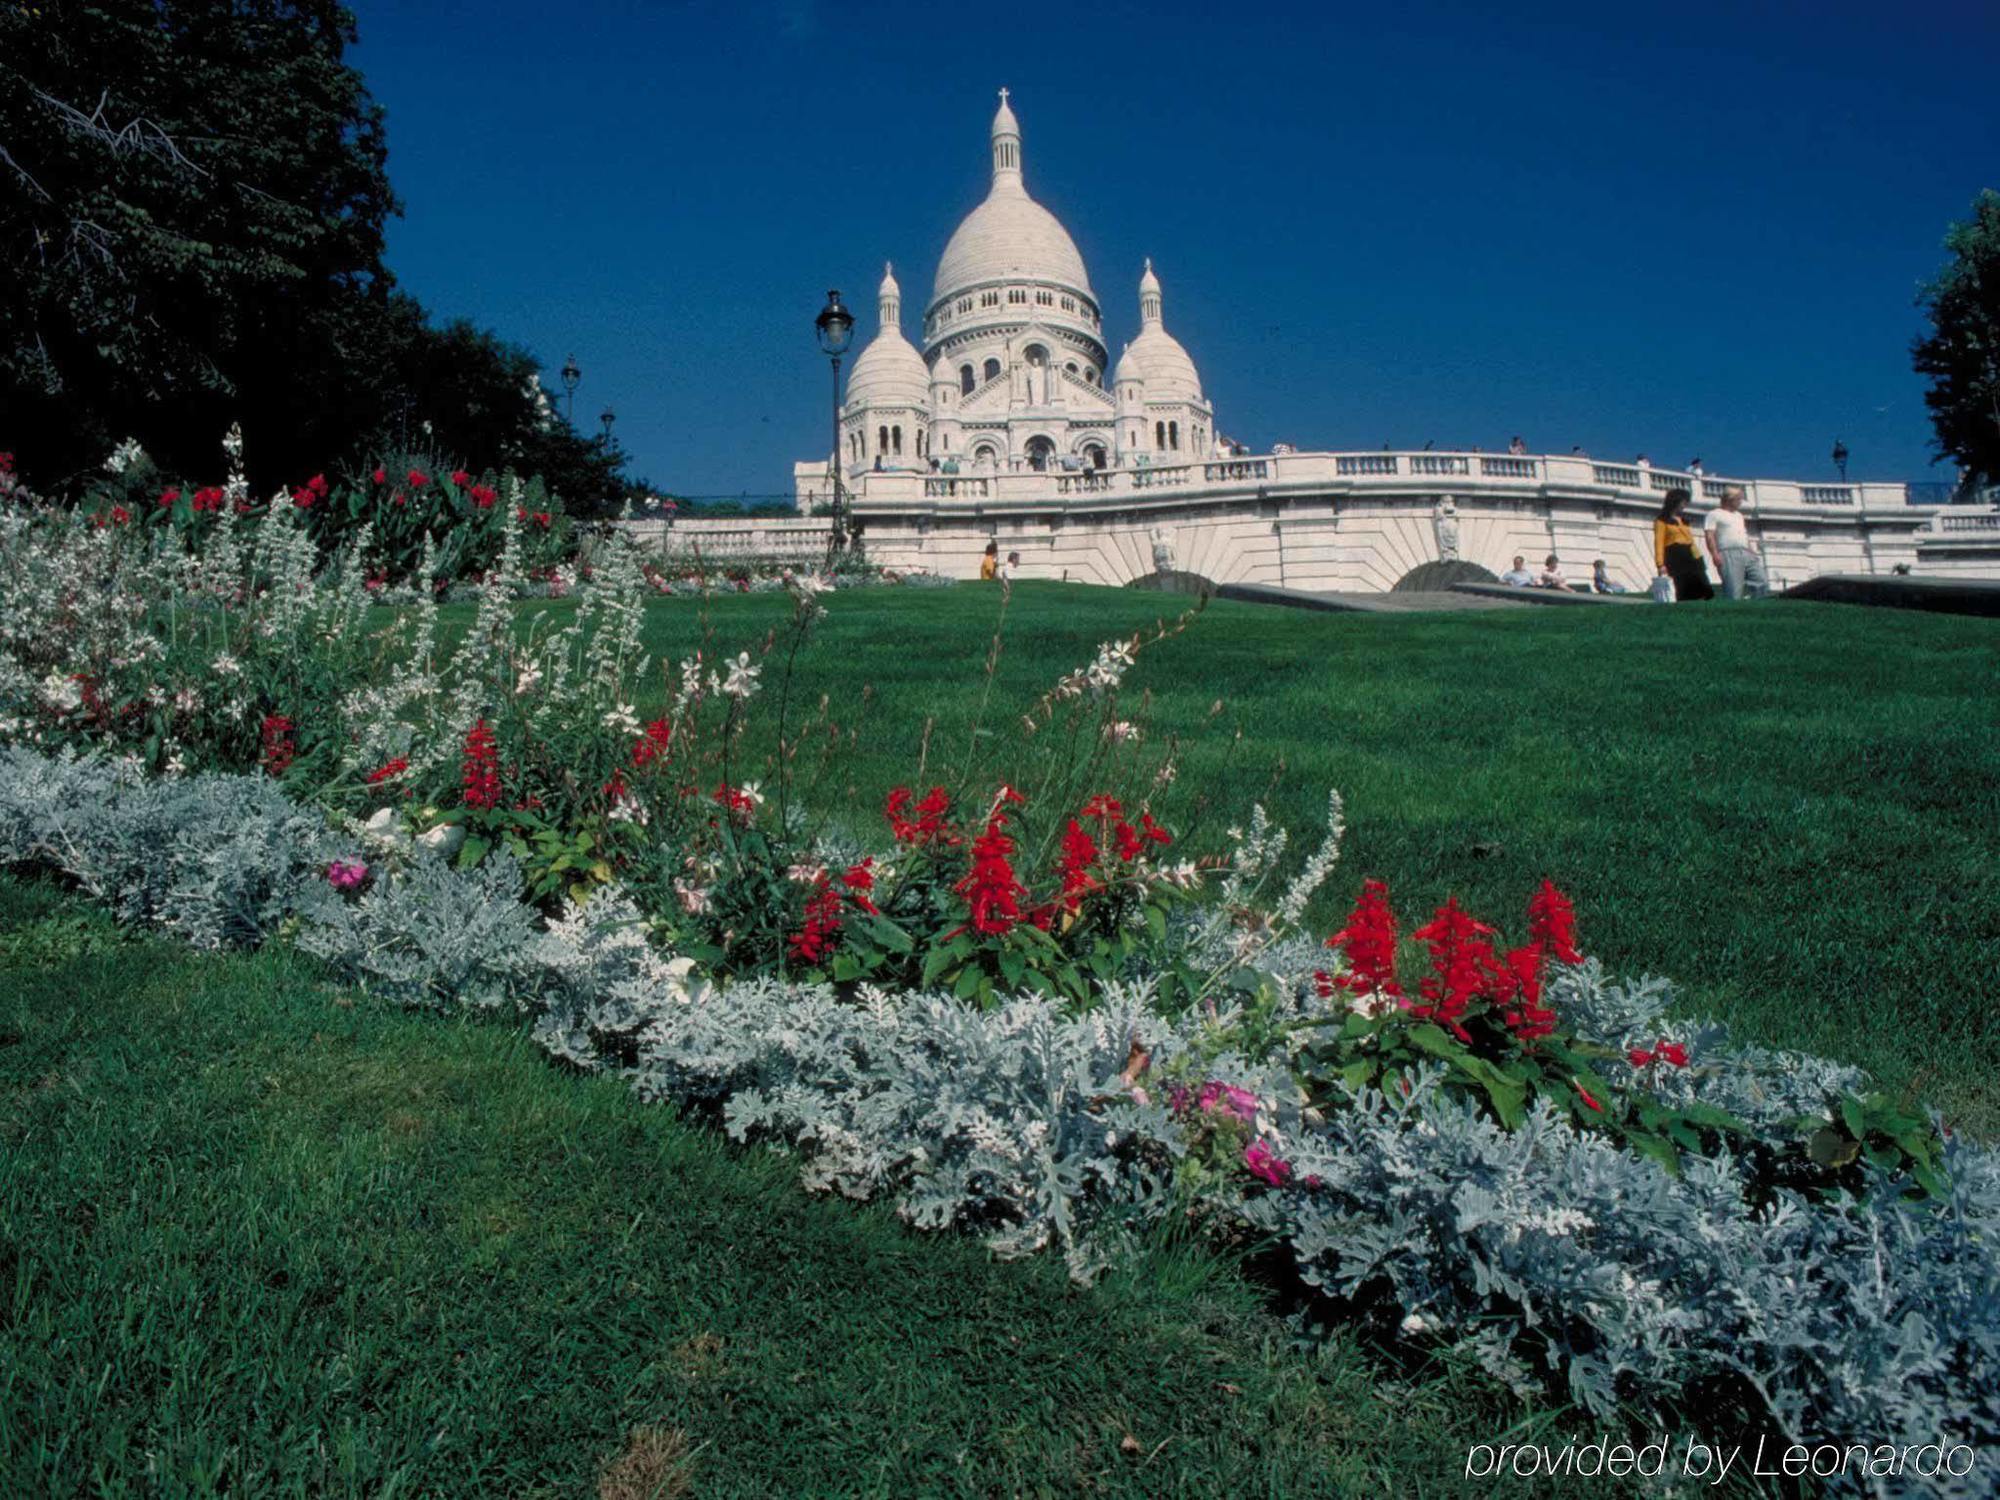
[265, 1237]
[1789, 808]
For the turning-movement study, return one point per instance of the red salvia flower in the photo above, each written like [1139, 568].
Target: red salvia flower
[279, 750]
[417, 479]
[460, 478]
[652, 745]
[813, 941]
[1584, 1094]
[1369, 941]
[481, 767]
[483, 496]
[1518, 993]
[388, 771]
[1103, 807]
[928, 826]
[860, 882]
[1462, 965]
[168, 497]
[1079, 853]
[992, 893]
[1552, 924]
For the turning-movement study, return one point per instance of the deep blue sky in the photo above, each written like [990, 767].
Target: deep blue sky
[1690, 229]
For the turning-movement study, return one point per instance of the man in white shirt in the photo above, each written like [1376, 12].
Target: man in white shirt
[1728, 539]
[1518, 575]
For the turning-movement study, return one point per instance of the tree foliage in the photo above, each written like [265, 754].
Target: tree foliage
[193, 196]
[1962, 352]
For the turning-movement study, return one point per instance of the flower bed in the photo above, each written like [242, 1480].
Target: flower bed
[1018, 1006]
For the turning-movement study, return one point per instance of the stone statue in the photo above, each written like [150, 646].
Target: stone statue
[1163, 551]
[1445, 520]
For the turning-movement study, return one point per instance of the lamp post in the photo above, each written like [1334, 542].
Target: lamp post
[835, 327]
[607, 417]
[1840, 458]
[570, 376]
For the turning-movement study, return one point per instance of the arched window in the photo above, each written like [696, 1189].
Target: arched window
[992, 369]
[1041, 452]
[1159, 434]
[965, 380]
[1089, 375]
[1071, 367]
[1174, 436]
[1093, 454]
[881, 441]
[896, 439]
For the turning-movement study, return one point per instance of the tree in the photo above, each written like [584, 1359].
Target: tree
[191, 231]
[192, 202]
[1962, 352]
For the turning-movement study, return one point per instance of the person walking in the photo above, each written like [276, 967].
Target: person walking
[1728, 537]
[1673, 549]
[989, 565]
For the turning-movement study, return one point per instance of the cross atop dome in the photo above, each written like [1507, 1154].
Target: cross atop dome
[1006, 144]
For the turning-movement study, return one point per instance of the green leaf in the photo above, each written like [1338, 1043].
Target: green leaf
[885, 932]
[1829, 1148]
[1852, 1117]
[937, 961]
[472, 851]
[845, 967]
[969, 980]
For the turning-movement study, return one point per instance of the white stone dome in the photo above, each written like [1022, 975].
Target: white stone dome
[1009, 237]
[889, 371]
[1157, 358]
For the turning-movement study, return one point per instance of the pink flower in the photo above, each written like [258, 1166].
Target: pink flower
[1232, 1100]
[346, 874]
[1264, 1162]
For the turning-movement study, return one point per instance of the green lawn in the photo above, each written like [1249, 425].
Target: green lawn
[1790, 808]
[263, 1237]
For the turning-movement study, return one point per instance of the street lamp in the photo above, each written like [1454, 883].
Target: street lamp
[1840, 458]
[607, 417]
[570, 376]
[835, 326]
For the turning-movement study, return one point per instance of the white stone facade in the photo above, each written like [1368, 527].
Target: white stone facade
[1015, 376]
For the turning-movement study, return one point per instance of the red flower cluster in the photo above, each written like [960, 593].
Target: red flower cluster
[313, 489]
[460, 478]
[1672, 1053]
[1552, 924]
[652, 745]
[483, 496]
[540, 518]
[388, 771]
[416, 479]
[279, 750]
[209, 498]
[1369, 941]
[168, 497]
[481, 767]
[1079, 853]
[816, 939]
[1466, 970]
[380, 476]
[991, 891]
[928, 826]
[737, 800]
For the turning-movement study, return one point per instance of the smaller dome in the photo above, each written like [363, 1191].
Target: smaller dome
[889, 372]
[1157, 358]
[1128, 367]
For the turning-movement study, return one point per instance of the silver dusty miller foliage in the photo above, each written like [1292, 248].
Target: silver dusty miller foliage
[1547, 1254]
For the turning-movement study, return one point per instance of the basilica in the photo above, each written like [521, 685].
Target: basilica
[1014, 374]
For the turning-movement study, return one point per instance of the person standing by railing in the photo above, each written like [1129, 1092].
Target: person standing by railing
[1673, 549]
[1728, 538]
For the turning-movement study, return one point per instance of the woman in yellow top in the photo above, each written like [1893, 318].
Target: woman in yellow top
[1673, 549]
[989, 565]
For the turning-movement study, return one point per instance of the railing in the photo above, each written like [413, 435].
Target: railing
[1438, 463]
[1989, 522]
[952, 487]
[1095, 482]
[1551, 476]
[1237, 468]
